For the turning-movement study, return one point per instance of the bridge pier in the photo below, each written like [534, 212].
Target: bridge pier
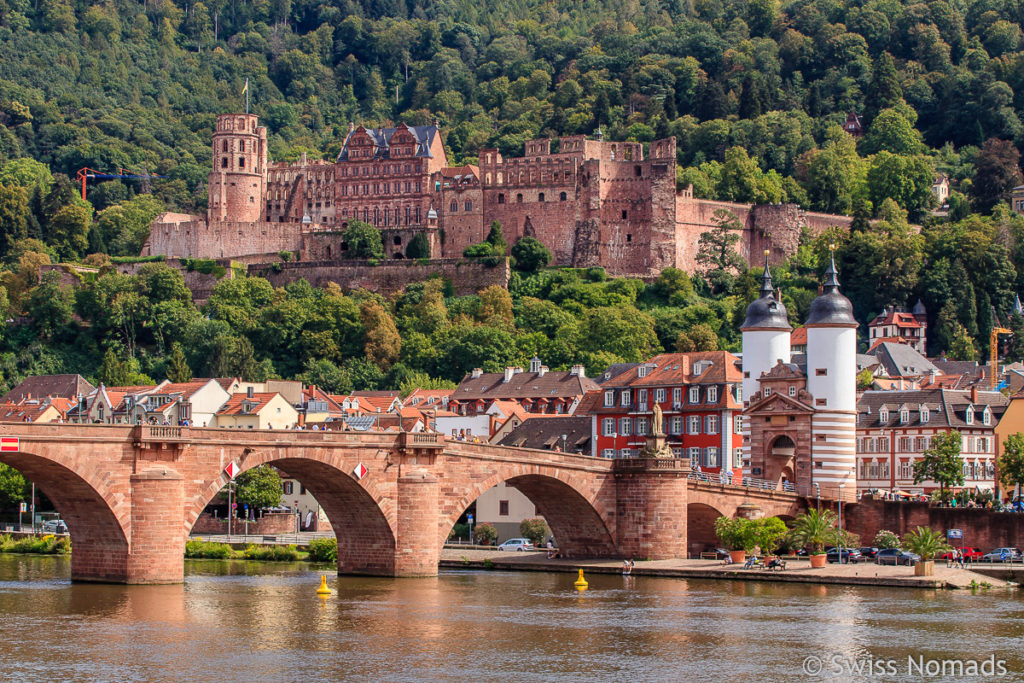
[416, 550]
[158, 527]
[651, 500]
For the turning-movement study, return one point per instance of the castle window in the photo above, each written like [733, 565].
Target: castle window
[629, 237]
[397, 240]
[561, 197]
[638, 171]
[519, 198]
[241, 162]
[540, 197]
[454, 206]
[469, 205]
[501, 197]
[613, 153]
[224, 162]
[624, 214]
[241, 145]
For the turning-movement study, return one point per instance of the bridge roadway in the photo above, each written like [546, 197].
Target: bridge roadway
[131, 494]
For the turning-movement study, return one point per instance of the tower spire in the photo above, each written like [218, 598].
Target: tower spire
[831, 277]
[766, 278]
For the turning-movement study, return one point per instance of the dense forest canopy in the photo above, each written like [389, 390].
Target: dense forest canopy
[754, 91]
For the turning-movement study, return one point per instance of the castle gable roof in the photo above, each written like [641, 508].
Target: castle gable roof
[381, 138]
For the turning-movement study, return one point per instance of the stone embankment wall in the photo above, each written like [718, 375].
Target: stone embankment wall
[269, 523]
[466, 276]
[983, 529]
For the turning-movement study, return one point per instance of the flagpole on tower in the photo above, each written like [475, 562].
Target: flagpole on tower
[246, 91]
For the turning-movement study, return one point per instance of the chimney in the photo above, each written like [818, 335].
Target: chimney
[248, 392]
[509, 371]
[542, 371]
[476, 373]
[974, 394]
[684, 365]
[578, 370]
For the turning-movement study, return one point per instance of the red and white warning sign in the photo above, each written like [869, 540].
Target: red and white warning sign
[231, 470]
[360, 471]
[9, 444]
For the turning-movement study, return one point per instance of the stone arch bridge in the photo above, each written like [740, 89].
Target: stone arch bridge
[131, 494]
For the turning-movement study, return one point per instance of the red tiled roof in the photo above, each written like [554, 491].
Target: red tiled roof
[676, 369]
[550, 385]
[234, 404]
[798, 337]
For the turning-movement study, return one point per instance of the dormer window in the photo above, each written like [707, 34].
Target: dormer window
[626, 397]
[925, 416]
[642, 371]
[694, 395]
[883, 415]
[712, 394]
[609, 398]
[986, 417]
[969, 415]
[904, 416]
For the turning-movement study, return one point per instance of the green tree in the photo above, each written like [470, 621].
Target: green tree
[1011, 462]
[716, 251]
[535, 529]
[177, 367]
[419, 247]
[530, 254]
[926, 542]
[891, 131]
[15, 216]
[497, 241]
[259, 487]
[382, 343]
[13, 487]
[113, 371]
[941, 463]
[814, 529]
[363, 241]
[49, 304]
[68, 230]
[997, 171]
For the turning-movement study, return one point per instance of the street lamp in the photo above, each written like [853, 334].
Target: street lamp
[565, 438]
[817, 494]
[841, 487]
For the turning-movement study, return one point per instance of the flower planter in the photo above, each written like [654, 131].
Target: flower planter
[924, 568]
[818, 561]
[737, 556]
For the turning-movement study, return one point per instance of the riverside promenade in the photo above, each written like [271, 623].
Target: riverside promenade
[797, 571]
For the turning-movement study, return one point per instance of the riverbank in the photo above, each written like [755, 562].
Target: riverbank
[797, 571]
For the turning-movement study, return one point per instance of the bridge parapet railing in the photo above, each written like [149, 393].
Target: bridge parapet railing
[652, 464]
[432, 440]
[725, 479]
[829, 492]
[163, 433]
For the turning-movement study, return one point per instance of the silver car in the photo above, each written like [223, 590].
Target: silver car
[517, 544]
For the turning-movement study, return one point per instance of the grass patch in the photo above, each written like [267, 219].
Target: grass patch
[207, 550]
[323, 550]
[272, 553]
[39, 545]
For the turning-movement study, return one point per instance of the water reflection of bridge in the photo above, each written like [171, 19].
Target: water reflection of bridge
[130, 494]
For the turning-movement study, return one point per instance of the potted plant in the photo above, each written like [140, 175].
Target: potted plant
[737, 536]
[814, 529]
[485, 533]
[768, 534]
[927, 543]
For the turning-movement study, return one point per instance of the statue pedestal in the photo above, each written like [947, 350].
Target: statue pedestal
[656, 447]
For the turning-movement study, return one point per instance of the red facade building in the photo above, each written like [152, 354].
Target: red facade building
[698, 393]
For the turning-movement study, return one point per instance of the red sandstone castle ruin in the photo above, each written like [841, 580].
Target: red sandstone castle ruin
[592, 202]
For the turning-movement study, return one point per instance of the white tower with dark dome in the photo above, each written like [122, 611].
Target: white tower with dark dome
[832, 382]
[766, 341]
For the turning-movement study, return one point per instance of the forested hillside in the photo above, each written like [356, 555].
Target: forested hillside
[754, 91]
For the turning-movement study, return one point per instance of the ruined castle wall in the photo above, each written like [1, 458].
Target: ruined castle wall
[199, 239]
[466, 276]
[465, 225]
[325, 245]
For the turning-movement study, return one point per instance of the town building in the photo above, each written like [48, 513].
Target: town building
[900, 326]
[538, 391]
[42, 386]
[894, 428]
[699, 396]
[592, 202]
[252, 410]
[33, 410]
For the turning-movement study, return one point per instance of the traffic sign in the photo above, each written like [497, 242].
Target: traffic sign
[231, 470]
[469, 519]
[360, 471]
[955, 533]
[9, 444]
[23, 507]
[234, 506]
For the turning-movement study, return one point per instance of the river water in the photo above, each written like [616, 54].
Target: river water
[235, 621]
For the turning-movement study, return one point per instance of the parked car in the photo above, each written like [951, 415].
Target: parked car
[868, 552]
[518, 544]
[895, 556]
[1001, 555]
[850, 555]
[55, 526]
[970, 554]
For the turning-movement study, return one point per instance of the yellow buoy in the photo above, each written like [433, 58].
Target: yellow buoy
[581, 583]
[323, 589]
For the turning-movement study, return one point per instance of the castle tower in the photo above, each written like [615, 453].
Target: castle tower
[832, 382]
[766, 341]
[237, 184]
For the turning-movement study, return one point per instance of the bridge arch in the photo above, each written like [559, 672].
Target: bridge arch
[98, 517]
[579, 523]
[700, 527]
[361, 515]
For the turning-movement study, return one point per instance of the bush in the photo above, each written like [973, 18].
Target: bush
[38, 545]
[886, 539]
[460, 531]
[735, 534]
[272, 553]
[138, 259]
[535, 529]
[323, 550]
[485, 534]
[286, 256]
[207, 550]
